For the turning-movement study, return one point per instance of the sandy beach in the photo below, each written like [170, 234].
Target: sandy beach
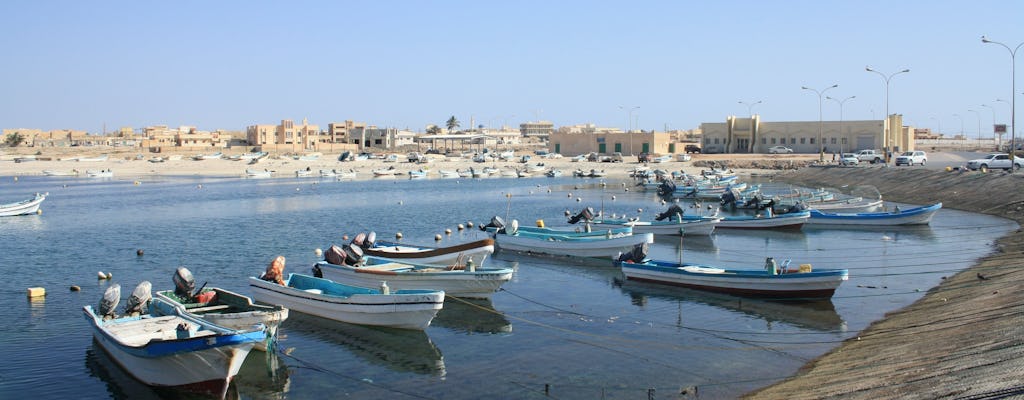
[129, 164]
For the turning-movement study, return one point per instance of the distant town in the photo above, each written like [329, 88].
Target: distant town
[735, 135]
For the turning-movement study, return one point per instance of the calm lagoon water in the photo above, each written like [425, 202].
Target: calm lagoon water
[568, 327]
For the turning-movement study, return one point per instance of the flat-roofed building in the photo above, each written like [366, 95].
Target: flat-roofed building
[752, 135]
[286, 137]
[540, 130]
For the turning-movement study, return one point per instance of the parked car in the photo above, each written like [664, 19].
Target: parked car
[996, 161]
[912, 157]
[643, 157]
[780, 150]
[871, 156]
[848, 159]
[692, 148]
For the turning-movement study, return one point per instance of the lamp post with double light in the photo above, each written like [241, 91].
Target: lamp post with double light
[887, 134]
[821, 146]
[1013, 92]
[842, 135]
[750, 107]
[993, 124]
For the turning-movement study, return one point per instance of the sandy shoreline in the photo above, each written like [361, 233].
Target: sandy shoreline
[129, 166]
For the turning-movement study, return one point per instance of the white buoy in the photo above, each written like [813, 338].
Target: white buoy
[447, 231]
[437, 237]
[578, 199]
[318, 252]
[613, 198]
[570, 194]
[469, 224]
[639, 210]
[398, 235]
[400, 202]
[460, 227]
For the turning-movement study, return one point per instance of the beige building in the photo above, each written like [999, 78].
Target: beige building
[286, 137]
[605, 142]
[751, 135]
[540, 129]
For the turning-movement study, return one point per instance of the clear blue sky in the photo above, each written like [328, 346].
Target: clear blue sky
[406, 64]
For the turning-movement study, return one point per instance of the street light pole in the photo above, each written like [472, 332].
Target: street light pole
[993, 123]
[841, 134]
[978, 115]
[630, 123]
[957, 116]
[1013, 92]
[938, 121]
[821, 148]
[887, 135]
[750, 107]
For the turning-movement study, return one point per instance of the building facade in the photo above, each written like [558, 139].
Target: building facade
[632, 143]
[286, 137]
[540, 130]
[752, 135]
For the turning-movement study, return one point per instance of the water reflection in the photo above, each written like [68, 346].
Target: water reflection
[121, 385]
[471, 316]
[923, 233]
[401, 350]
[263, 375]
[818, 315]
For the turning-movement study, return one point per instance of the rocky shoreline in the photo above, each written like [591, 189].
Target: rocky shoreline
[964, 338]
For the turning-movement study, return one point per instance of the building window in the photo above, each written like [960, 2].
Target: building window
[773, 140]
[812, 140]
[764, 140]
[833, 140]
[803, 140]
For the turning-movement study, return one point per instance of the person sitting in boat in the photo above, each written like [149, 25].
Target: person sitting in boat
[275, 271]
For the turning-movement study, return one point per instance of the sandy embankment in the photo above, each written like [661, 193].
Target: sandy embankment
[126, 165]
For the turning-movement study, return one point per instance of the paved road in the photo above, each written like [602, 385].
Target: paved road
[943, 159]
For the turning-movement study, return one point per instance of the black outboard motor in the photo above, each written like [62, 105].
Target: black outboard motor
[798, 207]
[496, 222]
[353, 254]
[139, 299]
[586, 215]
[770, 204]
[729, 199]
[666, 188]
[184, 283]
[673, 210]
[637, 255]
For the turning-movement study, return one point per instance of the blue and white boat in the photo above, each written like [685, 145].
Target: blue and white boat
[179, 351]
[911, 216]
[402, 308]
[594, 243]
[776, 283]
[676, 227]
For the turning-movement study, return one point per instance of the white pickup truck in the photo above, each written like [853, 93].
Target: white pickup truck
[870, 156]
[996, 161]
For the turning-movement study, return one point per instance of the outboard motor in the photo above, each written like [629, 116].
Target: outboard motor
[496, 222]
[768, 205]
[108, 303]
[139, 299]
[353, 254]
[371, 238]
[755, 201]
[359, 239]
[673, 210]
[798, 207]
[666, 188]
[636, 255]
[586, 215]
[335, 255]
[729, 198]
[184, 283]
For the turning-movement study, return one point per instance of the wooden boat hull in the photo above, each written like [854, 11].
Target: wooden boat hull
[702, 227]
[757, 283]
[478, 283]
[205, 362]
[405, 309]
[563, 245]
[477, 251]
[913, 216]
[24, 207]
[228, 309]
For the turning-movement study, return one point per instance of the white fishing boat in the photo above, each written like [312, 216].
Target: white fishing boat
[103, 173]
[218, 306]
[445, 256]
[695, 227]
[398, 308]
[253, 173]
[50, 172]
[350, 174]
[911, 216]
[802, 283]
[461, 278]
[179, 351]
[302, 173]
[607, 243]
[24, 207]
[445, 173]
[212, 156]
[99, 158]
